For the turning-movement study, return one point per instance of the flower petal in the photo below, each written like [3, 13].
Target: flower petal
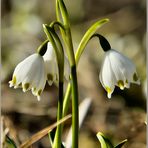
[30, 74]
[50, 64]
[117, 70]
[126, 67]
[107, 77]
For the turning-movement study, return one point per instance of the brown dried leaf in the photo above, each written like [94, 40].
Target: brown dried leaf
[42, 133]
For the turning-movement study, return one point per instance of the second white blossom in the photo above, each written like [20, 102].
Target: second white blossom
[117, 70]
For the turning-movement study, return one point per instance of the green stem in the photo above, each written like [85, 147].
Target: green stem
[57, 45]
[57, 140]
[59, 49]
[42, 48]
[67, 94]
[75, 108]
[58, 24]
[66, 100]
[70, 51]
[75, 104]
[60, 5]
[51, 39]
[73, 61]
[66, 35]
[87, 36]
[58, 16]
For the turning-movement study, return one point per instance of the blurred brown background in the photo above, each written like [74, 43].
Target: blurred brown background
[121, 117]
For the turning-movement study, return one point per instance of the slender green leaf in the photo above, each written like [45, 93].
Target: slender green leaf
[121, 144]
[104, 141]
[52, 136]
[93, 28]
[10, 143]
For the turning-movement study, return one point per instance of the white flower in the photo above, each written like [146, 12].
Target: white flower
[30, 74]
[117, 70]
[51, 64]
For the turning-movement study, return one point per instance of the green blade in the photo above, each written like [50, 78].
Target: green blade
[121, 144]
[10, 143]
[104, 141]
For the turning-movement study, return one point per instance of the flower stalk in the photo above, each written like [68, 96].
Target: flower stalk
[42, 48]
[84, 41]
[75, 109]
[87, 36]
[53, 37]
[61, 9]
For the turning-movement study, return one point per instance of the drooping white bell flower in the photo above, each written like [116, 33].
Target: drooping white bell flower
[117, 70]
[30, 74]
[51, 65]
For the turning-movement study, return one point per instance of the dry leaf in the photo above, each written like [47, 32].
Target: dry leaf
[43, 132]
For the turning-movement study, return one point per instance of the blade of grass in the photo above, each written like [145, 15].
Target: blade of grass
[121, 144]
[10, 143]
[43, 132]
[104, 141]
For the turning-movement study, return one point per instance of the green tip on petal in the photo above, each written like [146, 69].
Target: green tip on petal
[121, 84]
[39, 92]
[135, 77]
[49, 77]
[26, 87]
[14, 80]
[109, 91]
[20, 85]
